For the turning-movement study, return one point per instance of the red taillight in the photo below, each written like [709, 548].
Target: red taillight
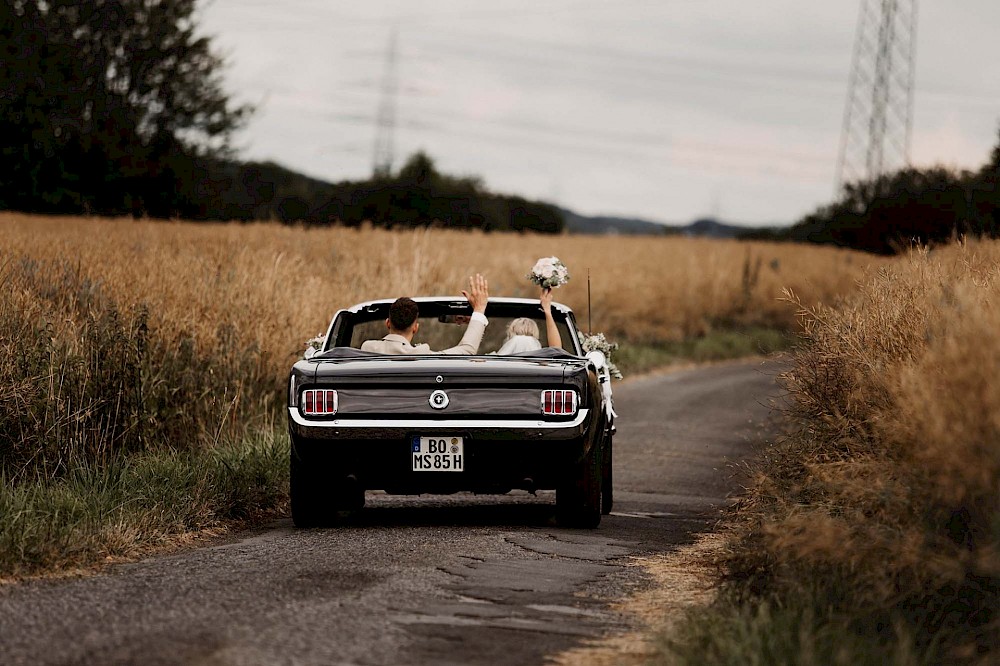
[558, 403]
[319, 402]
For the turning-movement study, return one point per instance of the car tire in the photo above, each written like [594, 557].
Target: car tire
[319, 494]
[578, 497]
[608, 477]
[303, 488]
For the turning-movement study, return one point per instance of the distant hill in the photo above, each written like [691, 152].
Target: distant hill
[603, 224]
[711, 228]
[704, 227]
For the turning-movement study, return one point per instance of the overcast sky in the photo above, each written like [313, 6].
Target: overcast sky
[663, 109]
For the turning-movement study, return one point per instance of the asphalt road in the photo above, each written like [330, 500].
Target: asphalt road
[430, 580]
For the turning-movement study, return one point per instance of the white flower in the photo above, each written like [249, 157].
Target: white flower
[549, 272]
[544, 266]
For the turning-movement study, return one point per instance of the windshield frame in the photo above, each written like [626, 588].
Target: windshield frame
[344, 322]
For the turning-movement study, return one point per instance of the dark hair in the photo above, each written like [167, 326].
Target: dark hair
[402, 313]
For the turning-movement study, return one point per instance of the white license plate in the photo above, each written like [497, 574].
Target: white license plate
[437, 454]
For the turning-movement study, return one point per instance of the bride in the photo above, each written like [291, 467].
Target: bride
[522, 333]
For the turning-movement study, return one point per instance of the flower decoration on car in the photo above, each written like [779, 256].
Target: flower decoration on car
[597, 342]
[313, 345]
[549, 273]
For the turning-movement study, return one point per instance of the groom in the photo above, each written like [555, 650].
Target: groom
[403, 325]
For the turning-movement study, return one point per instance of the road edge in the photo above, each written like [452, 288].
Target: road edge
[681, 579]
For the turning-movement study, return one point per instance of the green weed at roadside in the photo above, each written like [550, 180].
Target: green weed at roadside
[718, 345]
[798, 631]
[122, 508]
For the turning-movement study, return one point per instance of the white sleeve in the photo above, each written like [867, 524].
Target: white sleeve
[480, 317]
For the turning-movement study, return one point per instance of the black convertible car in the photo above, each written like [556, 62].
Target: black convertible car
[447, 423]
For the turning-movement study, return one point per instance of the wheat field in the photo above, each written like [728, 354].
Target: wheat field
[124, 335]
[279, 285]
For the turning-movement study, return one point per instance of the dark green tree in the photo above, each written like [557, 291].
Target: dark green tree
[909, 206]
[994, 163]
[106, 106]
[419, 171]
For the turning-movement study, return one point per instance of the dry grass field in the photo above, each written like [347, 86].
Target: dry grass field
[871, 534]
[276, 286]
[192, 327]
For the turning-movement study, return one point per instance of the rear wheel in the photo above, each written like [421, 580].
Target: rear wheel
[578, 497]
[303, 489]
[318, 490]
[607, 477]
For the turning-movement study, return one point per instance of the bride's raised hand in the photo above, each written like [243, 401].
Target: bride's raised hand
[546, 298]
[551, 330]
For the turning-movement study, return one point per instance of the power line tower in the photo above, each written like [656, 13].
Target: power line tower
[385, 120]
[878, 116]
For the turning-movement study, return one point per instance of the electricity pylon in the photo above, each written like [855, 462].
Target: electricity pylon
[385, 121]
[878, 116]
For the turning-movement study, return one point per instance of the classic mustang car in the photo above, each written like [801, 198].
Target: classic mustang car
[447, 423]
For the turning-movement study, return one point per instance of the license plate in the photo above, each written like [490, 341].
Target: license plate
[437, 454]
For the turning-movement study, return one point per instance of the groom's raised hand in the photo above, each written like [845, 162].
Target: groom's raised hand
[478, 294]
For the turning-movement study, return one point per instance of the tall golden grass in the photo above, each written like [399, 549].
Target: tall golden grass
[179, 331]
[276, 284]
[884, 503]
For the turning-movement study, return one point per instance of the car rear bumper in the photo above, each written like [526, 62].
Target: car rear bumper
[500, 455]
[477, 429]
[489, 467]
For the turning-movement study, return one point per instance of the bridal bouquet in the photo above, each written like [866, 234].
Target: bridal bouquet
[549, 273]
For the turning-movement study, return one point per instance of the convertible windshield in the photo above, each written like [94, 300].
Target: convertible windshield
[443, 327]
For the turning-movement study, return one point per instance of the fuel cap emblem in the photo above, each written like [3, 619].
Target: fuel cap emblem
[438, 400]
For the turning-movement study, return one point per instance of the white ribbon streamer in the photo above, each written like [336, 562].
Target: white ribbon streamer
[604, 377]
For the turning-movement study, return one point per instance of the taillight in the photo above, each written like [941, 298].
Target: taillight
[558, 403]
[319, 402]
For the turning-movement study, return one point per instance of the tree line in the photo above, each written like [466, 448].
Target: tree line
[117, 108]
[911, 206]
[415, 195]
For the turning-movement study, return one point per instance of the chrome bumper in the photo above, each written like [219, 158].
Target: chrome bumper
[389, 428]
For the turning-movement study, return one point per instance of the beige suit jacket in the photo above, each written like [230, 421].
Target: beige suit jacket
[397, 344]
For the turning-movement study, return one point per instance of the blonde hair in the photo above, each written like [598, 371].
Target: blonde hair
[522, 326]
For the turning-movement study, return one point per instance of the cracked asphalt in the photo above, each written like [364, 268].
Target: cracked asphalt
[459, 579]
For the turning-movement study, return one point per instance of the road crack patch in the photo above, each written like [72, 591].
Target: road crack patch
[680, 579]
[582, 549]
